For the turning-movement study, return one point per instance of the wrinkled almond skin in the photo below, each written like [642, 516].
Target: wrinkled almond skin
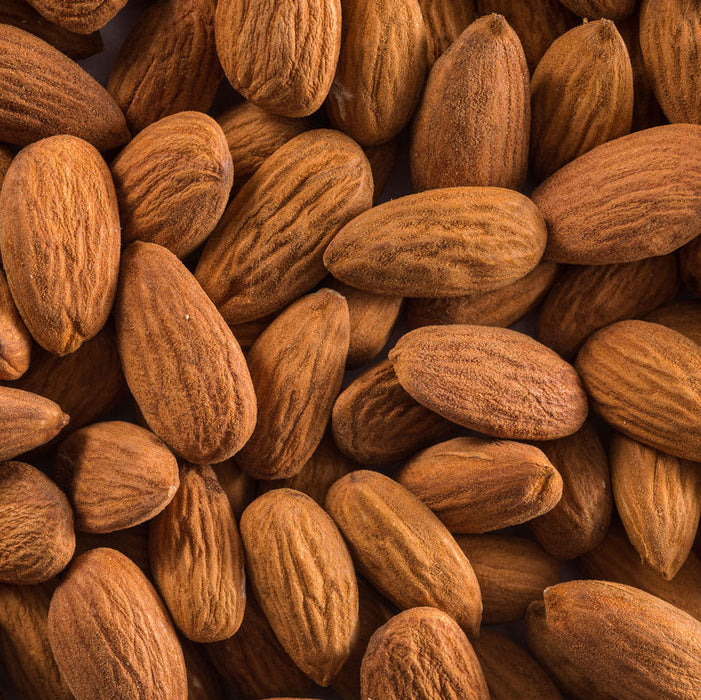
[239, 487]
[587, 298]
[168, 63]
[690, 263]
[421, 653]
[682, 316]
[116, 475]
[297, 368]
[381, 69]
[284, 216]
[402, 548]
[281, 58]
[110, 632]
[382, 160]
[296, 557]
[197, 558]
[581, 96]
[81, 17]
[36, 526]
[473, 123]
[59, 239]
[632, 198]
[159, 300]
[15, 341]
[631, 643]
[595, 9]
[645, 380]
[464, 374]
[376, 422]
[444, 20]
[447, 242]
[173, 182]
[475, 485]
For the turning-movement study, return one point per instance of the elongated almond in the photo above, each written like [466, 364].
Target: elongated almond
[594, 9]
[445, 20]
[15, 341]
[682, 316]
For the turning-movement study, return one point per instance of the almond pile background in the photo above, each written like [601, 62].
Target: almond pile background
[264, 430]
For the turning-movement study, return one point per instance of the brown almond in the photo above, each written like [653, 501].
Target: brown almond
[475, 485]
[36, 525]
[132, 543]
[421, 653]
[293, 547]
[240, 488]
[690, 259]
[446, 242]
[165, 322]
[473, 123]
[645, 380]
[682, 316]
[493, 380]
[632, 198]
[15, 341]
[445, 20]
[83, 17]
[595, 9]
[285, 216]
[382, 160]
[402, 548]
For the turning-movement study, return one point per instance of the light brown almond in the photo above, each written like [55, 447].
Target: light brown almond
[15, 341]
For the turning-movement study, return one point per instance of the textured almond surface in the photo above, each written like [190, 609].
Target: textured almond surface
[83, 16]
[59, 238]
[444, 21]
[445, 242]
[178, 354]
[303, 578]
[682, 316]
[15, 341]
[402, 548]
[594, 9]
[493, 380]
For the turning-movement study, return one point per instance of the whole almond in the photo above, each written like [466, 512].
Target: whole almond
[475, 485]
[445, 20]
[421, 653]
[492, 380]
[645, 380]
[83, 17]
[36, 525]
[581, 96]
[240, 488]
[116, 475]
[682, 316]
[197, 558]
[15, 341]
[445, 242]
[595, 9]
[108, 650]
[173, 182]
[632, 198]
[268, 248]
[402, 548]
[297, 368]
[472, 126]
[293, 548]
[281, 58]
[166, 327]
[382, 159]
[59, 239]
[690, 258]
[381, 69]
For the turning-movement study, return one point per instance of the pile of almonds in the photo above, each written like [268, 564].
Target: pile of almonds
[217, 482]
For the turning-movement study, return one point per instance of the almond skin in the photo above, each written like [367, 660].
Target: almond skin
[285, 216]
[109, 650]
[595, 9]
[15, 341]
[682, 316]
[464, 373]
[57, 96]
[37, 537]
[381, 69]
[281, 58]
[402, 548]
[165, 322]
[59, 239]
[173, 182]
[81, 17]
[421, 653]
[645, 380]
[294, 550]
[473, 123]
[445, 20]
[632, 198]
[581, 96]
[446, 242]
[116, 475]
[197, 558]
[297, 368]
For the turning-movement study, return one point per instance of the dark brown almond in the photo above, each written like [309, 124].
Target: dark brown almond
[690, 258]
[445, 20]
[382, 160]
[80, 17]
[240, 488]
[15, 341]
[682, 316]
[595, 9]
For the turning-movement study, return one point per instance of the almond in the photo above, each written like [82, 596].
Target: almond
[682, 316]
[492, 380]
[445, 20]
[446, 242]
[294, 550]
[594, 9]
[402, 548]
[421, 653]
[83, 17]
[472, 126]
[632, 198]
[690, 258]
[15, 341]
[382, 159]
[285, 216]
[36, 526]
[108, 650]
[281, 58]
[239, 487]
[166, 327]
[173, 182]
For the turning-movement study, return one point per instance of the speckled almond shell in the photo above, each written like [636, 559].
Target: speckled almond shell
[596, 9]
[81, 16]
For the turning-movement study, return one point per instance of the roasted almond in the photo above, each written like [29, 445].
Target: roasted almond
[682, 316]
[15, 341]
[594, 9]
[83, 17]
[445, 21]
